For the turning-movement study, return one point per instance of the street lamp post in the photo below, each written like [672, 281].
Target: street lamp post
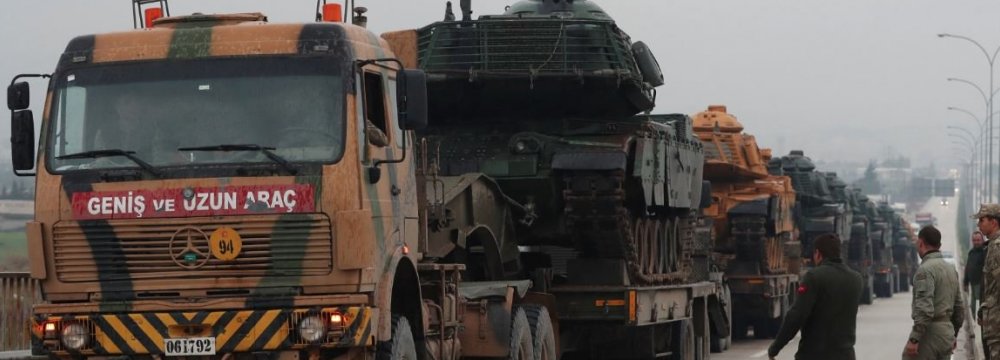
[978, 182]
[988, 147]
[973, 144]
[991, 60]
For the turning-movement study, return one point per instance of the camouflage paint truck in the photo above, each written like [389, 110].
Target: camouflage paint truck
[905, 255]
[753, 215]
[220, 186]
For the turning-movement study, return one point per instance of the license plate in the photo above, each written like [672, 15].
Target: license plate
[189, 346]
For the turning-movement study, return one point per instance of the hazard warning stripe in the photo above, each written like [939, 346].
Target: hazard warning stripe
[235, 331]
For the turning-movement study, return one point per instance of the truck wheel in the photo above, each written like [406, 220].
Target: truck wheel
[683, 340]
[542, 336]
[520, 337]
[401, 346]
[866, 295]
[720, 344]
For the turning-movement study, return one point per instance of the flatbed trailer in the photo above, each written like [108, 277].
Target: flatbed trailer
[761, 302]
[676, 317]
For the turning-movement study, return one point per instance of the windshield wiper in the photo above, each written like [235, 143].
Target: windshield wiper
[267, 151]
[94, 154]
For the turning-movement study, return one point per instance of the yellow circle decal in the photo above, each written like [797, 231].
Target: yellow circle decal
[225, 243]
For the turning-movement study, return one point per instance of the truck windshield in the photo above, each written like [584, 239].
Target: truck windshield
[294, 106]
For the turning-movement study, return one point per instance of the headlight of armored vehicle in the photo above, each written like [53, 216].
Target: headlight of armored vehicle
[75, 336]
[312, 328]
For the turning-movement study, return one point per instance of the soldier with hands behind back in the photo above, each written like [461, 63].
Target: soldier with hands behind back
[938, 311]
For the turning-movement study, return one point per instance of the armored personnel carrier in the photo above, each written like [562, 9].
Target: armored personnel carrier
[550, 100]
[753, 215]
[598, 181]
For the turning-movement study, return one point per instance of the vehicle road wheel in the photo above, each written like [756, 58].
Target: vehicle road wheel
[866, 295]
[542, 335]
[401, 346]
[520, 337]
[683, 340]
[721, 344]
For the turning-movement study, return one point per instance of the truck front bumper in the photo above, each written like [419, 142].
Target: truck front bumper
[141, 334]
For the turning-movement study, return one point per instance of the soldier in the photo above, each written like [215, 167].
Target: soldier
[826, 308]
[938, 311]
[973, 279]
[989, 224]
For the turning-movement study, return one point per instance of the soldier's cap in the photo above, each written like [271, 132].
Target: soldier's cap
[988, 210]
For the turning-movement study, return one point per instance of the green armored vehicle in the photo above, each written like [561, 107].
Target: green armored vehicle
[551, 99]
[822, 209]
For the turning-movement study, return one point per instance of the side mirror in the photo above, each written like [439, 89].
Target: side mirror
[22, 139]
[411, 95]
[18, 96]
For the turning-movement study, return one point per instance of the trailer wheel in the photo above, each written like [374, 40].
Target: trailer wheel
[719, 344]
[401, 346]
[683, 340]
[520, 337]
[542, 336]
[866, 294]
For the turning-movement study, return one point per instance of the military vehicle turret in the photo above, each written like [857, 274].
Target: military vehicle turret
[753, 215]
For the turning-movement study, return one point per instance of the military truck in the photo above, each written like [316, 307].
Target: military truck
[883, 239]
[859, 252]
[753, 215]
[217, 185]
[904, 255]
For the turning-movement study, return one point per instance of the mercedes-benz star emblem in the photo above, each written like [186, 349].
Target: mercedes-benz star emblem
[194, 253]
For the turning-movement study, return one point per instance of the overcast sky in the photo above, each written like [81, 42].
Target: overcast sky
[846, 80]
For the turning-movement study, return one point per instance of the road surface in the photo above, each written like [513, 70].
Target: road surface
[883, 327]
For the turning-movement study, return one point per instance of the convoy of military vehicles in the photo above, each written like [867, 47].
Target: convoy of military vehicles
[480, 187]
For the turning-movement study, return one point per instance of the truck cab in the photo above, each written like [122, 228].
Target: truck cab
[217, 184]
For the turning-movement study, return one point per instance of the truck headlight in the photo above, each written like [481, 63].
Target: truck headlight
[75, 336]
[312, 328]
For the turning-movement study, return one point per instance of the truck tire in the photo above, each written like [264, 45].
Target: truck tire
[720, 344]
[401, 346]
[683, 341]
[866, 295]
[520, 347]
[542, 335]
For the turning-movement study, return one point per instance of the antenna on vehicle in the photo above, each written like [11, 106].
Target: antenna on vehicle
[143, 13]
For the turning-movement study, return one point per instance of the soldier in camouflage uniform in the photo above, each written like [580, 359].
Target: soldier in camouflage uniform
[938, 309]
[989, 311]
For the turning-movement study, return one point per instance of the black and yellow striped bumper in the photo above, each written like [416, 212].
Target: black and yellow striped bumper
[234, 331]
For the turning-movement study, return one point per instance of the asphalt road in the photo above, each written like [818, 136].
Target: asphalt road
[883, 326]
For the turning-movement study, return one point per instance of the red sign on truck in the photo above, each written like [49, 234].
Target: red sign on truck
[207, 201]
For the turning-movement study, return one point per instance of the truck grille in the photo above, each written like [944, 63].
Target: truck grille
[273, 245]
